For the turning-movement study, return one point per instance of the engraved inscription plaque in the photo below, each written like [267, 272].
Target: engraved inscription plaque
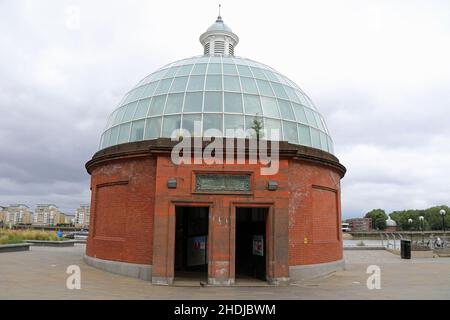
[211, 182]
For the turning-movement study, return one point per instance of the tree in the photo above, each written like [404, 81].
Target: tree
[377, 215]
[257, 125]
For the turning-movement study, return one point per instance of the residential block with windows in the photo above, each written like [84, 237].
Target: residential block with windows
[48, 215]
[16, 214]
[82, 215]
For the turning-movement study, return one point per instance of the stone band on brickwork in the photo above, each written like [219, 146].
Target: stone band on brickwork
[133, 270]
[310, 271]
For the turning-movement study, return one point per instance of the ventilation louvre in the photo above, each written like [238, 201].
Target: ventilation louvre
[231, 49]
[206, 50]
[219, 47]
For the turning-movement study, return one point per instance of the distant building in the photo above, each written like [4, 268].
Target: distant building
[48, 215]
[69, 219]
[82, 215]
[16, 214]
[2, 215]
[360, 224]
[391, 225]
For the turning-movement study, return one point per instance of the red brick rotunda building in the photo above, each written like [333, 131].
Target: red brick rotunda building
[159, 220]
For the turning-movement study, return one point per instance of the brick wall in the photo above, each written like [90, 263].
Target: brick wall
[314, 214]
[122, 204]
[124, 210]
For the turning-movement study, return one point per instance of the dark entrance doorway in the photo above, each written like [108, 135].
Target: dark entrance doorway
[250, 258]
[191, 242]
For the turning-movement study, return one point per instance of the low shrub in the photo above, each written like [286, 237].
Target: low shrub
[19, 236]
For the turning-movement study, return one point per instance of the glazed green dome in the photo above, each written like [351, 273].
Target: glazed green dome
[222, 92]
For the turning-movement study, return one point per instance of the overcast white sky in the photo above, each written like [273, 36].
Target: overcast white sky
[379, 71]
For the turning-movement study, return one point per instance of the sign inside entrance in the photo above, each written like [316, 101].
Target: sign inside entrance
[196, 251]
[258, 245]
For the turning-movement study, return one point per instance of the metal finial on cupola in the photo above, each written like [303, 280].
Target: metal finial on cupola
[219, 17]
[219, 39]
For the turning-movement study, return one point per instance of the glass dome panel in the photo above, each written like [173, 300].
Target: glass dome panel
[216, 91]
[213, 102]
[233, 102]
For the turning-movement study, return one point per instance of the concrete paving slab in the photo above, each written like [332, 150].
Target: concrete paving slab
[41, 274]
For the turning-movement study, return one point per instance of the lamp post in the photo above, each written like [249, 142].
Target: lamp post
[442, 213]
[421, 218]
[410, 221]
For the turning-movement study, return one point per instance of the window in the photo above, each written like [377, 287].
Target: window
[189, 122]
[214, 82]
[163, 86]
[310, 116]
[150, 90]
[315, 138]
[231, 83]
[174, 103]
[233, 102]
[249, 85]
[214, 68]
[199, 68]
[264, 88]
[213, 102]
[270, 107]
[319, 121]
[142, 109]
[212, 121]
[179, 84]
[323, 141]
[252, 104]
[273, 129]
[279, 91]
[233, 122]
[304, 135]
[119, 115]
[299, 113]
[184, 70]
[244, 71]
[137, 130]
[152, 128]
[171, 124]
[105, 139]
[157, 105]
[271, 76]
[129, 112]
[171, 72]
[124, 133]
[258, 73]
[229, 69]
[196, 83]
[286, 110]
[290, 131]
[291, 93]
[193, 102]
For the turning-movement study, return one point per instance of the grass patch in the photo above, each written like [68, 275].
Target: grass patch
[20, 236]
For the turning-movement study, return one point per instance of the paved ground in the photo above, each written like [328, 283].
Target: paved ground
[41, 274]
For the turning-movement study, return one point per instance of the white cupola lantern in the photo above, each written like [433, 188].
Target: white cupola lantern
[219, 39]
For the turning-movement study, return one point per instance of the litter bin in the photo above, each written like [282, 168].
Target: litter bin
[405, 249]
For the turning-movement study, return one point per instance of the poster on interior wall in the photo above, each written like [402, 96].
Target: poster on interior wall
[258, 245]
[196, 251]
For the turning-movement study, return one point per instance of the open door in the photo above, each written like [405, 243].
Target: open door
[191, 243]
[250, 257]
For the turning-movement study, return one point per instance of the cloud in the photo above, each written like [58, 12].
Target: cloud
[377, 70]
